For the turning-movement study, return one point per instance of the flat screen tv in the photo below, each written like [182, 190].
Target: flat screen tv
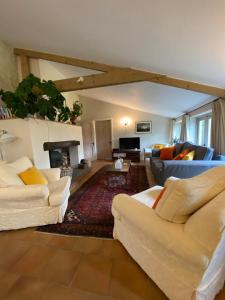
[129, 143]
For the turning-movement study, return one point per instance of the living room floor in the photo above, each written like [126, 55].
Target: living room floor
[36, 265]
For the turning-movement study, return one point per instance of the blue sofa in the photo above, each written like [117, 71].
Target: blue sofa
[204, 159]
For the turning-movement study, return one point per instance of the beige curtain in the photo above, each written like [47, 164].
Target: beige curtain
[185, 124]
[218, 126]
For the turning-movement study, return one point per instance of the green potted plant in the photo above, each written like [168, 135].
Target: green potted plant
[36, 98]
[76, 111]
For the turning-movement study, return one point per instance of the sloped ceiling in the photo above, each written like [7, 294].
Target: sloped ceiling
[183, 39]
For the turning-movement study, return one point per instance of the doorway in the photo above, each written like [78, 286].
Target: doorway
[88, 140]
[103, 131]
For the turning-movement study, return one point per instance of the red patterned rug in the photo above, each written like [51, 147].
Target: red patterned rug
[89, 208]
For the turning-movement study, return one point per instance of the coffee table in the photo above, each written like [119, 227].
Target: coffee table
[118, 177]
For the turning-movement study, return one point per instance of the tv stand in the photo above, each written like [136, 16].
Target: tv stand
[130, 154]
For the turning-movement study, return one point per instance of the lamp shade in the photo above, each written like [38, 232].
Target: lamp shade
[6, 137]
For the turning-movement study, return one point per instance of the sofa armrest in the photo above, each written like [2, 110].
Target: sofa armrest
[23, 196]
[52, 174]
[59, 191]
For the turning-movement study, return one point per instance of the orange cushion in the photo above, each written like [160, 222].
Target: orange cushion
[182, 154]
[167, 153]
[159, 197]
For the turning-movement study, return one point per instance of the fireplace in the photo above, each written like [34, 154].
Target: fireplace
[63, 154]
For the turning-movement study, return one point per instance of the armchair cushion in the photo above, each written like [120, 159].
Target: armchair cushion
[178, 203]
[26, 196]
[21, 164]
[8, 176]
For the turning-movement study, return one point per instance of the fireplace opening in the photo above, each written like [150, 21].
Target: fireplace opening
[59, 158]
[63, 155]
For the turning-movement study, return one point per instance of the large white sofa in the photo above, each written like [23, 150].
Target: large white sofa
[185, 258]
[24, 206]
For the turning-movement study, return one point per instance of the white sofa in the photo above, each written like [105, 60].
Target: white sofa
[24, 206]
[186, 260]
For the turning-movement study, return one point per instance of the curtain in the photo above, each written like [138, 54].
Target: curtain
[218, 126]
[185, 124]
[172, 129]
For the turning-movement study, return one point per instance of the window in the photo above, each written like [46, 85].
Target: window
[176, 130]
[204, 130]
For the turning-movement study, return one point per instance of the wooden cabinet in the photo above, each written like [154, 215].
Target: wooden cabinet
[133, 155]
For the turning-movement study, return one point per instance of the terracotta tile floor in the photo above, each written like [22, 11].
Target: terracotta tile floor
[43, 266]
[36, 265]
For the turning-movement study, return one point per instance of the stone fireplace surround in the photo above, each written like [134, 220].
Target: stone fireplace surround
[62, 153]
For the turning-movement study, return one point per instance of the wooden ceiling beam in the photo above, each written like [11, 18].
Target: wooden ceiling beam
[25, 66]
[189, 85]
[114, 75]
[123, 76]
[64, 60]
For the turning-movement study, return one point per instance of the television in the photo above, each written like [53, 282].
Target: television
[129, 143]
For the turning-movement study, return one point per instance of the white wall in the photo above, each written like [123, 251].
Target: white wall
[96, 110]
[33, 133]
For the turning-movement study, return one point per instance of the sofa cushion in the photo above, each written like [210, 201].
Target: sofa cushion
[211, 215]
[185, 196]
[189, 156]
[178, 148]
[203, 153]
[167, 153]
[21, 164]
[8, 176]
[189, 146]
[181, 155]
[32, 176]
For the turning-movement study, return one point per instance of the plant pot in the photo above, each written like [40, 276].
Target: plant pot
[73, 120]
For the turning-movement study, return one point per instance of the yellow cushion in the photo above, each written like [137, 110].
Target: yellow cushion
[158, 146]
[189, 156]
[32, 176]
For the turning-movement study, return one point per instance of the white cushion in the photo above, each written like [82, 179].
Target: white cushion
[8, 176]
[207, 224]
[169, 180]
[148, 196]
[22, 197]
[21, 164]
[183, 197]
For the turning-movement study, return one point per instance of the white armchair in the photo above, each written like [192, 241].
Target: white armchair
[24, 206]
[187, 260]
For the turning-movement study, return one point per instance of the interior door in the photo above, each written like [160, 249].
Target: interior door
[88, 140]
[103, 131]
